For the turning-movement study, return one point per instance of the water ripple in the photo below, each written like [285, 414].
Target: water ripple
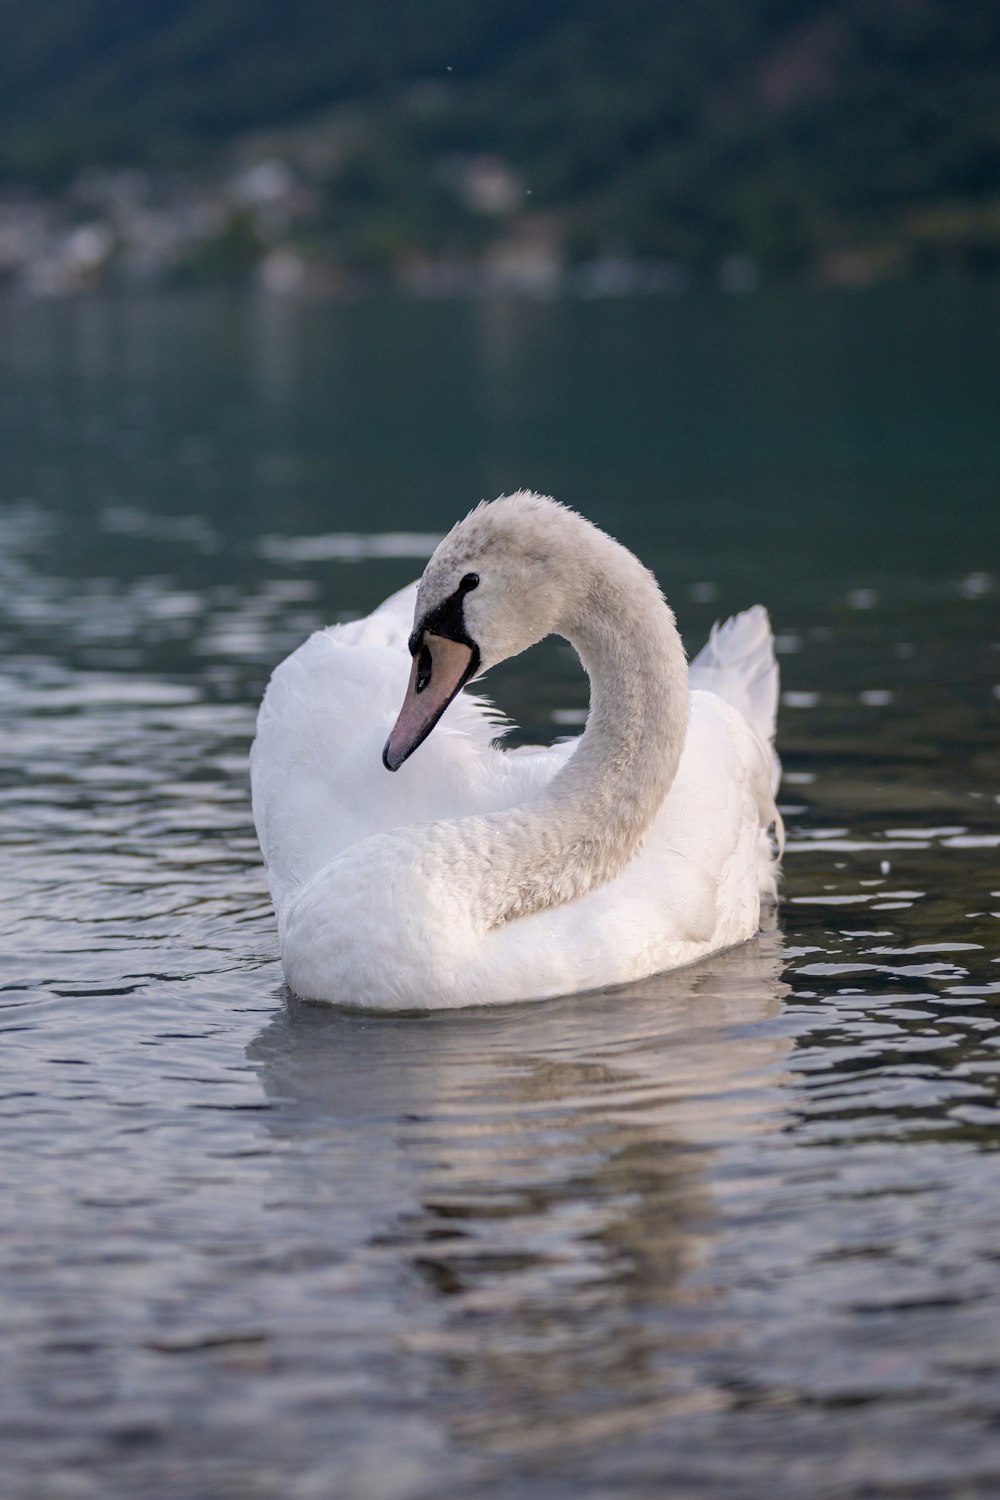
[730, 1233]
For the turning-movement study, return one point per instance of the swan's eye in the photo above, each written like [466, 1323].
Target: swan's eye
[423, 669]
[470, 581]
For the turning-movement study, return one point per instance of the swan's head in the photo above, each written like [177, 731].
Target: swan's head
[495, 585]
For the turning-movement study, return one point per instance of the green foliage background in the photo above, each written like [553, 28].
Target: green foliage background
[690, 128]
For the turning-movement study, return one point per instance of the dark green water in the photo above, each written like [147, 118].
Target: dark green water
[734, 1233]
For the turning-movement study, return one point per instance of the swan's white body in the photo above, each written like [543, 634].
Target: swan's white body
[477, 875]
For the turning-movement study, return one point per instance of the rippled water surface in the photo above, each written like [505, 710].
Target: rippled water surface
[734, 1232]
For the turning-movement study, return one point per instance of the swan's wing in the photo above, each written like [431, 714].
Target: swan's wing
[693, 887]
[317, 778]
[738, 664]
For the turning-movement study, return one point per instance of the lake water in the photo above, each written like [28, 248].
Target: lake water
[733, 1233]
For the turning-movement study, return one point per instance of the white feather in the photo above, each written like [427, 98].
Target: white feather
[390, 889]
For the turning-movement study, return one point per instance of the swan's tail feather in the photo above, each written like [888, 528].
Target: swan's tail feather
[738, 664]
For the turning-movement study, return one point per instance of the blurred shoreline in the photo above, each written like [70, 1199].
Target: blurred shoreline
[451, 151]
[261, 223]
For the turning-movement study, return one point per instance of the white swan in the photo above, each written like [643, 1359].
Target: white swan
[477, 875]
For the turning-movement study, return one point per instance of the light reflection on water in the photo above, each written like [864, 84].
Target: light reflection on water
[730, 1232]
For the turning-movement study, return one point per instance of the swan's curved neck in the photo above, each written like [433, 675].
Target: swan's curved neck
[593, 816]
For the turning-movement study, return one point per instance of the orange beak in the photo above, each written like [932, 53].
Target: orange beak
[441, 668]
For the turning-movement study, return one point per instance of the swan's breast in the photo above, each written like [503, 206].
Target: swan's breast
[386, 924]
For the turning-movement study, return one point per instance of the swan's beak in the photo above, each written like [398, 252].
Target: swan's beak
[441, 668]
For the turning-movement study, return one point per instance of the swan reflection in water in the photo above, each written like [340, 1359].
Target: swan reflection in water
[525, 1195]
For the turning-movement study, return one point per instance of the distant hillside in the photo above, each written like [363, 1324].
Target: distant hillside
[112, 79]
[784, 130]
